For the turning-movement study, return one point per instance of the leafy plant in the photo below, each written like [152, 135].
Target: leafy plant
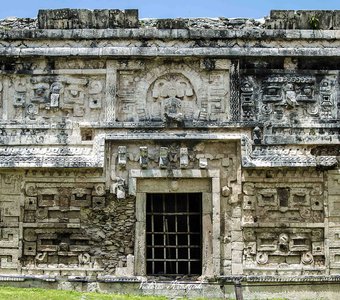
[314, 22]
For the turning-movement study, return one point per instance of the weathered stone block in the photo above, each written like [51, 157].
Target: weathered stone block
[83, 19]
[30, 248]
[171, 24]
[311, 19]
[282, 14]
[237, 268]
[98, 202]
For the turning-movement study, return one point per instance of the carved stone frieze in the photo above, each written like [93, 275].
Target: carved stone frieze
[289, 97]
[173, 94]
[50, 97]
[10, 216]
[284, 218]
[156, 157]
[270, 248]
[55, 235]
[284, 203]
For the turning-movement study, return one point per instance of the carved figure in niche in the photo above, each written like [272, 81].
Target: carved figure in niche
[172, 98]
[257, 135]
[283, 242]
[290, 95]
[172, 110]
[56, 88]
[119, 188]
[84, 258]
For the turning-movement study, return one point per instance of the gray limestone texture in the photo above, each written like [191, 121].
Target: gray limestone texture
[99, 109]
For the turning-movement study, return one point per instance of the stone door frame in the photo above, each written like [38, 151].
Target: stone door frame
[211, 209]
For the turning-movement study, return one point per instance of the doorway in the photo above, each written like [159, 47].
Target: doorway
[173, 234]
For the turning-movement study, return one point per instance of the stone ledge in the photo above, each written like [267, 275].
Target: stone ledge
[223, 52]
[281, 279]
[20, 278]
[222, 279]
[178, 34]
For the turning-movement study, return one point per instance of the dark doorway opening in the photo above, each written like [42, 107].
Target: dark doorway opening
[174, 234]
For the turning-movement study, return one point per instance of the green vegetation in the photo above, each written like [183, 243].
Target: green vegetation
[314, 22]
[10, 293]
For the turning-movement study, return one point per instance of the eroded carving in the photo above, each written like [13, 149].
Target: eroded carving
[172, 97]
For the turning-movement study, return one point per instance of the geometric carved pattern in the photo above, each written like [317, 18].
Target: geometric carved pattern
[283, 222]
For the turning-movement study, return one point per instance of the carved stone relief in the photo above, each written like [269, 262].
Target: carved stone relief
[284, 203]
[283, 220]
[10, 216]
[43, 98]
[56, 232]
[276, 220]
[177, 155]
[126, 95]
[284, 248]
[172, 98]
[289, 98]
[173, 94]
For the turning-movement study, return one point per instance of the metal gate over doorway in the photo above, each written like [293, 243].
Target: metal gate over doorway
[174, 234]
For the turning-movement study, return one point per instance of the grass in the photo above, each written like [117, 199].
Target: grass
[11, 293]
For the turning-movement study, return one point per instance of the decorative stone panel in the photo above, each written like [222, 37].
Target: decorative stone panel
[173, 93]
[10, 220]
[284, 221]
[72, 226]
[289, 97]
[333, 185]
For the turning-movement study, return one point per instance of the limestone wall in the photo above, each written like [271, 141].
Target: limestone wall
[99, 108]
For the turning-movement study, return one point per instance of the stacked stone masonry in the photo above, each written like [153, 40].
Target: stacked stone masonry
[100, 109]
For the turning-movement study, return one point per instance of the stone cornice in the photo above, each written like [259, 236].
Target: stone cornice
[168, 52]
[171, 34]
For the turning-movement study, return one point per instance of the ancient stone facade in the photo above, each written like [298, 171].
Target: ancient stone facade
[100, 110]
